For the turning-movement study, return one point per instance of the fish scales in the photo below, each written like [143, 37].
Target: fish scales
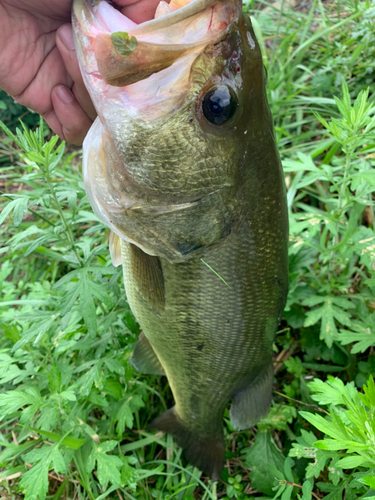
[216, 336]
[182, 165]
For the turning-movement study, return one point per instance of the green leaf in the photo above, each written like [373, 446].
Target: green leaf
[71, 295]
[307, 488]
[14, 400]
[58, 462]
[278, 418]
[258, 457]
[288, 470]
[87, 305]
[34, 482]
[36, 331]
[87, 289]
[368, 481]
[19, 210]
[367, 176]
[129, 475]
[92, 376]
[287, 493]
[323, 425]
[38, 454]
[107, 465]
[294, 365]
[336, 444]
[68, 441]
[68, 395]
[362, 334]
[351, 462]
[115, 366]
[6, 211]
[364, 245]
[19, 207]
[124, 44]
[327, 313]
[124, 417]
[331, 391]
[315, 468]
[369, 389]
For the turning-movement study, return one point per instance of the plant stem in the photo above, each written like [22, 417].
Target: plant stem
[214, 491]
[342, 197]
[302, 403]
[68, 231]
[299, 486]
[344, 184]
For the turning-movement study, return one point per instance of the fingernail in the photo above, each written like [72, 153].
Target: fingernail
[64, 94]
[66, 35]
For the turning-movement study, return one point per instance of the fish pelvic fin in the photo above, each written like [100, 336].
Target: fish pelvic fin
[115, 249]
[207, 452]
[253, 403]
[144, 359]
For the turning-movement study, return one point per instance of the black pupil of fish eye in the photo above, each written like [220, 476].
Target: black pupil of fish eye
[219, 105]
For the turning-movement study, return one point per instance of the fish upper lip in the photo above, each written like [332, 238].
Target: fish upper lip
[83, 11]
[181, 14]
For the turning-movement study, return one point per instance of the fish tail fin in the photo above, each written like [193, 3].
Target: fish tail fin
[205, 452]
[253, 403]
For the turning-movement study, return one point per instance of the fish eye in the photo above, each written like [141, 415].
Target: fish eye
[219, 104]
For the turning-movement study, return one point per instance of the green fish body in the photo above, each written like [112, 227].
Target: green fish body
[189, 178]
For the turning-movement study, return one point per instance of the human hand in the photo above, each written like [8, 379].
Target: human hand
[38, 62]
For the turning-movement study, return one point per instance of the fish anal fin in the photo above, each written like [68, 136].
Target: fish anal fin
[144, 358]
[205, 452]
[253, 403]
[148, 276]
[115, 249]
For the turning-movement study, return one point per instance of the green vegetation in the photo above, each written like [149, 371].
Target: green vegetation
[73, 413]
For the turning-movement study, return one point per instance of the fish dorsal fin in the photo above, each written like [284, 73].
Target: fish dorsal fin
[115, 249]
[144, 358]
[253, 403]
[148, 278]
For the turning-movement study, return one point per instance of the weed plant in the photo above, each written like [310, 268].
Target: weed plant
[73, 413]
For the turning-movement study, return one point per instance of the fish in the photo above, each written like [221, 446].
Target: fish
[182, 165]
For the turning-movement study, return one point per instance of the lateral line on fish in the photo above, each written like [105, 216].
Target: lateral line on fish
[213, 270]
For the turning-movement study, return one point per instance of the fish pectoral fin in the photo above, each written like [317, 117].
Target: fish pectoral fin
[253, 403]
[207, 452]
[147, 276]
[115, 249]
[144, 358]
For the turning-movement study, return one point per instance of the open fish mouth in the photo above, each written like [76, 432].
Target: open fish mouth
[126, 52]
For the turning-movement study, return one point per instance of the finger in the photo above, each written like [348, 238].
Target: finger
[68, 119]
[65, 44]
[139, 11]
[37, 94]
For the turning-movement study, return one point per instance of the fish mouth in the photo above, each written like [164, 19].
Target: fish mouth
[149, 47]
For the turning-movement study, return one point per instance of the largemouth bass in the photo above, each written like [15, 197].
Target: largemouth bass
[181, 164]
